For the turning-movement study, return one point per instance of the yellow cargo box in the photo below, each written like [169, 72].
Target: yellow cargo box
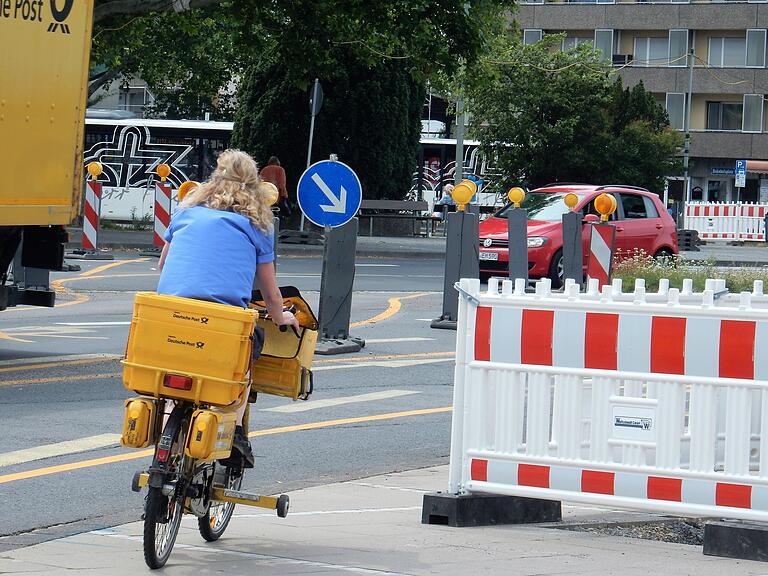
[210, 434]
[284, 366]
[139, 422]
[188, 349]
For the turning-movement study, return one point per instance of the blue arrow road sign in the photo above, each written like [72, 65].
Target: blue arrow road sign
[329, 193]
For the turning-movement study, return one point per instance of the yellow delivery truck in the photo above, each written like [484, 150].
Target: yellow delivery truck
[44, 47]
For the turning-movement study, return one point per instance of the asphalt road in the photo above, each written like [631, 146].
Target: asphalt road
[61, 396]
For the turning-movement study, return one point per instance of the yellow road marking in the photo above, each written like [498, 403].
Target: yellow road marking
[269, 431]
[106, 358]
[395, 304]
[101, 276]
[105, 267]
[4, 336]
[60, 379]
[384, 357]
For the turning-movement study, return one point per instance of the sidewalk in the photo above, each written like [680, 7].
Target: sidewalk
[373, 526]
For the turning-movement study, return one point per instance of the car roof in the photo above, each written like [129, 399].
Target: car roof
[582, 189]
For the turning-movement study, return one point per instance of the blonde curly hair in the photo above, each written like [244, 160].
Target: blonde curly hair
[235, 186]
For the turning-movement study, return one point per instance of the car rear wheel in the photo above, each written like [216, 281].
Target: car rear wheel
[556, 269]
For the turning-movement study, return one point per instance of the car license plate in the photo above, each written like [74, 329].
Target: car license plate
[489, 255]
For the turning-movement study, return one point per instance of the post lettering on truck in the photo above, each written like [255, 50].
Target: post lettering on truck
[53, 13]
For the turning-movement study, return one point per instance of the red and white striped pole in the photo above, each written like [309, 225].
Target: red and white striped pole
[91, 214]
[602, 240]
[162, 205]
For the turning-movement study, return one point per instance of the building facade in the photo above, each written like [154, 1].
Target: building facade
[650, 41]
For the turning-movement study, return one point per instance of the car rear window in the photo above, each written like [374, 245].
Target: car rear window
[540, 206]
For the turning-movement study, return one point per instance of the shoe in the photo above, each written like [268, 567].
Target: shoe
[242, 454]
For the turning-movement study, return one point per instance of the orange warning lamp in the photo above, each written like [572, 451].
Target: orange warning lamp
[186, 188]
[462, 193]
[606, 205]
[163, 170]
[516, 195]
[270, 191]
[571, 200]
[95, 170]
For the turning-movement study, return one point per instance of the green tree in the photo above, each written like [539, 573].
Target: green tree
[547, 115]
[370, 118]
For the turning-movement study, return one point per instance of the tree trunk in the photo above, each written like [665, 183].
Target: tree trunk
[110, 8]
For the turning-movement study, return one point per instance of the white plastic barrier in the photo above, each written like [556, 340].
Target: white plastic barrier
[726, 221]
[644, 405]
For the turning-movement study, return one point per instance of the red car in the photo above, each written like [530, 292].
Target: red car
[641, 222]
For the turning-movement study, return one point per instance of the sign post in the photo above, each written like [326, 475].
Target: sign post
[517, 236]
[741, 177]
[329, 195]
[573, 252]
[315, 103]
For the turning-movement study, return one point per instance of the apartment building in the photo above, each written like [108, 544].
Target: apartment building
[649, 41]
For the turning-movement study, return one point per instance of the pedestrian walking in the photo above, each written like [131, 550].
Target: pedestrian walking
[275, 174]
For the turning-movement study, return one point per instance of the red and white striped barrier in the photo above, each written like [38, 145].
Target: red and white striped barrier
[91, 212]
[162, 212]
[636, 404]
[727, 221]
[602, 239]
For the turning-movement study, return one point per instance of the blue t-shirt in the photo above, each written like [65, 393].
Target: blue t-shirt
[213, 256]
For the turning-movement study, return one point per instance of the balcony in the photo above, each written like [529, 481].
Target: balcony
[705, 80]
[643, 16]
[730, 145]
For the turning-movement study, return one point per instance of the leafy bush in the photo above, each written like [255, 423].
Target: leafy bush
[642, 265]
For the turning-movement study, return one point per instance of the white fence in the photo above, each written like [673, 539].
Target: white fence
[637, 401]
[727, 221]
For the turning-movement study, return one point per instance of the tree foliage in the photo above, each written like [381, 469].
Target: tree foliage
[370, 118]
[547, 115]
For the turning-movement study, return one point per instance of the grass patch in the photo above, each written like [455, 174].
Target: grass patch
[642, 265]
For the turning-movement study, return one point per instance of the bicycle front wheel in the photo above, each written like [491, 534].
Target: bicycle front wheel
[216, 520]
[162, 514]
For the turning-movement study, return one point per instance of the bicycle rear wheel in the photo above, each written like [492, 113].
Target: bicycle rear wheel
[213, 524]
[162, 514]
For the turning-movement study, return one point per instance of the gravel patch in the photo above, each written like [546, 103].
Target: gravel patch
[675, 530]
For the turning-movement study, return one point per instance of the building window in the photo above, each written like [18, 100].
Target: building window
[675, 106]
[727, 52]
[604, 43]
[724, 115]
[573, 42]
[651, 51]
[134, 99]
[756, 48]
[678, 47]
[753, 113]
[531, 36]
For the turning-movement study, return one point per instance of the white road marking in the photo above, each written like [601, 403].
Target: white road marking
[397, 488]
[377, 265]
[315, 404]
[121, 323]
[328, 512]
[424, 319]
[52, 359]
[208, 550]
[386, 340]
[384, 364]
[58, 449]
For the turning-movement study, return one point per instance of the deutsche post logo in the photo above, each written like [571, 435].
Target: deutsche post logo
[60, 15]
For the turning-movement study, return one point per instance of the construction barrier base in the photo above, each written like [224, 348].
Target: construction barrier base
[444, 323]
[330, 346]
[151, 252]
[742, 540]
[467, 510]
[89, 255]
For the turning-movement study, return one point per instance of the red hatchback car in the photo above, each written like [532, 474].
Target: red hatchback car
[640, 218]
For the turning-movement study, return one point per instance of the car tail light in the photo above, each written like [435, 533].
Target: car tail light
[177, 382]
[162, 454]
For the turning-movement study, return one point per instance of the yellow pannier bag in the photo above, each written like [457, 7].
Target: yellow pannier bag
[284, 366]
[188, 349]
[210, 434]
[139, 422]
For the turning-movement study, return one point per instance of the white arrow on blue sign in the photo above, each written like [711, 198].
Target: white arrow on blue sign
[329, 193]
